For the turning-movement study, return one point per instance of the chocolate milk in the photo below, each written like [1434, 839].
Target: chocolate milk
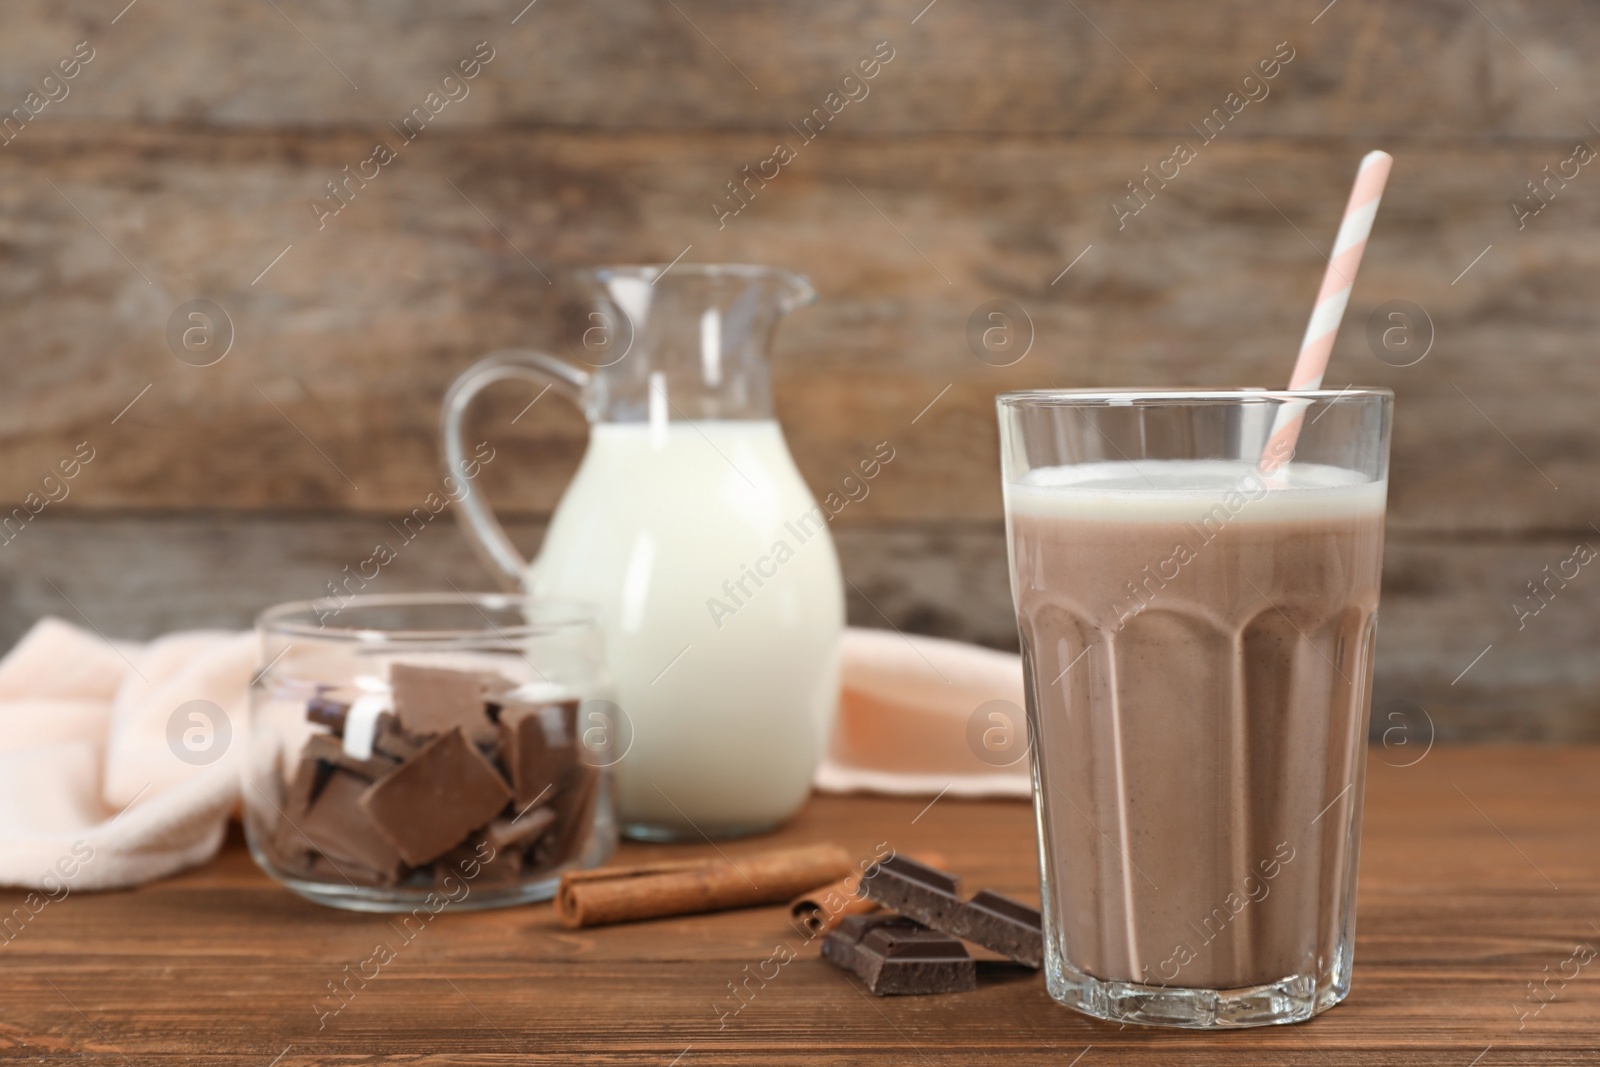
[1200, 750]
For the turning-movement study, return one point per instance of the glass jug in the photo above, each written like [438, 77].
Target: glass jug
[689, 527]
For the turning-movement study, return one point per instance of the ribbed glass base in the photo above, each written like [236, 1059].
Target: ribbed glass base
[1290, 1000]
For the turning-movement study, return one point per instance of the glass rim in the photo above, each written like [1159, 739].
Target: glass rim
[801, 291]
[299, 618]
[1122, 397]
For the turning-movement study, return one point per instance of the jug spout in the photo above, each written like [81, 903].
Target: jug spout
[683, 341]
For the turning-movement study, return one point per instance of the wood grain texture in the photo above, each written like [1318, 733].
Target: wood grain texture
[984, 161]
[1455, 918]
[1361, 69]
[343, 348]
[140, 576]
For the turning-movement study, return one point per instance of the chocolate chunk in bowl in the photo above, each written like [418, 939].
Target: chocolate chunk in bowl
[432, 801]
[388, 775]
[539, 746]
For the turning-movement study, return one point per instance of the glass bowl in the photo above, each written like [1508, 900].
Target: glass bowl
[430, 750]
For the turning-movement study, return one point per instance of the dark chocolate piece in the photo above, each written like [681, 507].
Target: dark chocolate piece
[465, 864]
[297, 859]
[575, 806]
[538, 744]
[998, 920]
[322, 755]
[895, 955]
[325, 711]
[393, 740]
[323, 869]
[289, 847]
[431, 700]
[432, 799]
[496, 694]
[330, 750]
[929, 896]
[310, 775]
[338, 827]
[524, 830]
[430, 803]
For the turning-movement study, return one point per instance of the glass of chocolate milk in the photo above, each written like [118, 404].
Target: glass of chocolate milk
[1197, 638]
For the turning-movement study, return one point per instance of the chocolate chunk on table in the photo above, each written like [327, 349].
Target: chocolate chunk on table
[896, 955]
[538, 745]
[431, 700]
[929, 896]
[340, 828]
[434, 800]
[1007, 926]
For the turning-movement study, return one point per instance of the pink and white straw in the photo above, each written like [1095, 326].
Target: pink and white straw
[1337, 281]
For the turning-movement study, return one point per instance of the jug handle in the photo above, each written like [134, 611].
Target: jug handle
[477, 517]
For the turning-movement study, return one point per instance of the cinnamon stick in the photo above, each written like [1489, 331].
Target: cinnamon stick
[818, 911]
[654, 890]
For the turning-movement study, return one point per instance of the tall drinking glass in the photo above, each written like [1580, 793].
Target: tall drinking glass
[1197, 639]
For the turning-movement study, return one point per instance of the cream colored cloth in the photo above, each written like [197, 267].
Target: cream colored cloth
[93, 795]
[919, 715]
[95, 792]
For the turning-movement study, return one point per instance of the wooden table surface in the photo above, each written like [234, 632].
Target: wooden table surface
[1480, 885]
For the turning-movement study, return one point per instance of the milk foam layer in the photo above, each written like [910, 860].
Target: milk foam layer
[1185, 490]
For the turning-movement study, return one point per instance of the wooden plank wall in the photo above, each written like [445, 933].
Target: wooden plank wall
[182, 159]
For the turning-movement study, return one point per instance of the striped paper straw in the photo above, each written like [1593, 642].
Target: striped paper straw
[1337, 280]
